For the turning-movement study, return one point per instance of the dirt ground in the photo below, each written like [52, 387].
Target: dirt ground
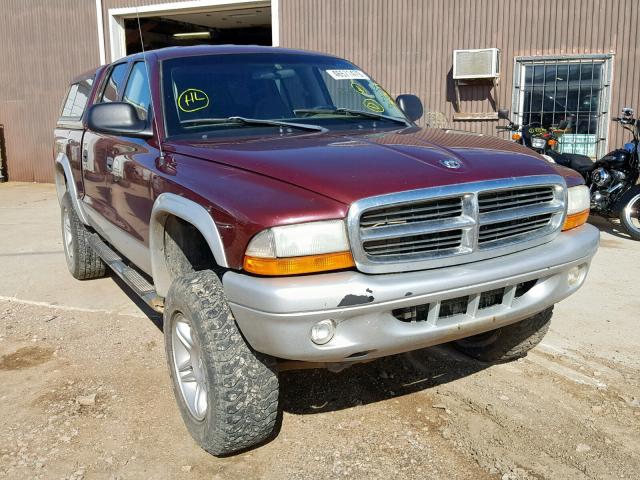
[84, 390]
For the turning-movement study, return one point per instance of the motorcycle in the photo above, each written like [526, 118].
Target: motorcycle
[612, 180]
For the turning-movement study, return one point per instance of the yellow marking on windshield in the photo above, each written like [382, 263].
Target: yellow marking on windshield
[361, 89]
[372, 105]
[192, 100]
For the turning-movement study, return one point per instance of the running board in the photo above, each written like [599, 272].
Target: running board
[130, 276]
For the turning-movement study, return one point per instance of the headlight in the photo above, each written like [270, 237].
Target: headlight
[578, 203]
[302, 248]
[538, 143]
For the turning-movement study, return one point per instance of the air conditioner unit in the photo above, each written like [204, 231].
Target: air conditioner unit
[479, 63]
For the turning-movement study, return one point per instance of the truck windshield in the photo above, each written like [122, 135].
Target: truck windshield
[201, 92]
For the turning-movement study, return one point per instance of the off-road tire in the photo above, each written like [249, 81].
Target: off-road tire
[507, 343]
[631, 229]
[242, 384]
[83, 262]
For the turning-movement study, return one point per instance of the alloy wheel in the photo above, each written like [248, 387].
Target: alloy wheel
[188, 367]
[67, 235]
[632, 214]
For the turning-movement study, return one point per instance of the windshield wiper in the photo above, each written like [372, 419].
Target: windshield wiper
[252, 121]
[350, 111]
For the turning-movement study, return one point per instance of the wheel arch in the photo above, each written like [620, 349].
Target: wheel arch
[63, 178]
[169, 204]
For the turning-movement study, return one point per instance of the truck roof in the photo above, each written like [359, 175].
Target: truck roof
[173, 52]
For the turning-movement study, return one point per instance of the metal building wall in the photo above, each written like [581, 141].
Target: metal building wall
[43, 44]
[407, 45]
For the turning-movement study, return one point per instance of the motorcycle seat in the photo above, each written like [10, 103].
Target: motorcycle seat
[579, 163]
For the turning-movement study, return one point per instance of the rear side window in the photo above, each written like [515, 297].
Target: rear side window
[137, 91]
[115, 83]
[76, 100]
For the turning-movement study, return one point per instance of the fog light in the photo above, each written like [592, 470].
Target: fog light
[575, 275]
[323, 331]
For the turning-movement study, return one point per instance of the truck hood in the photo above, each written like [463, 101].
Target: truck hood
[347, 167]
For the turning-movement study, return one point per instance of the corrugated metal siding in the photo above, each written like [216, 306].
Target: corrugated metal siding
[43, 45]
[407, 45]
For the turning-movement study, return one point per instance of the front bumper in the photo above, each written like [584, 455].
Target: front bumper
[276, 314]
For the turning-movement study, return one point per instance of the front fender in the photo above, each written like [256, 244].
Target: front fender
[171, 204]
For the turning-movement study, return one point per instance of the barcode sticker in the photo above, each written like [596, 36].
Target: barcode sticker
[347, 74]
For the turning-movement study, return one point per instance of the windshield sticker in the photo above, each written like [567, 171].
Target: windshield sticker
[347, 75]
[372, 105]
[361, 89]
[192, 100]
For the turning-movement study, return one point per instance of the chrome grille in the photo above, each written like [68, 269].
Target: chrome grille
[415, 244]
[511, 228]
[504, 199]
[418, 212]
[455, 224]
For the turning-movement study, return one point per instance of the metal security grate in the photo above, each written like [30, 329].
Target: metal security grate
[548, 90]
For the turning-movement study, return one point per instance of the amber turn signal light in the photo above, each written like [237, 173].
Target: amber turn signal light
[516, 137]
[575, 220]
[298, 265]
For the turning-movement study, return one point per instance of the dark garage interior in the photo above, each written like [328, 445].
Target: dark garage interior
[250, 26]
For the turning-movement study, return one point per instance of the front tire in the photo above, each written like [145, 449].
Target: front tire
[507, 343]
[83, 262]
[630, 212]
[226, 392]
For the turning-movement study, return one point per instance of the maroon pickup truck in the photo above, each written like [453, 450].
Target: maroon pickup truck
[284, 211]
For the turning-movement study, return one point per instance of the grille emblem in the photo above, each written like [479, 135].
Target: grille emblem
[451, 163]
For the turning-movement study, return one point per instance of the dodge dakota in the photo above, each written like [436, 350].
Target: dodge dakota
[283, 210]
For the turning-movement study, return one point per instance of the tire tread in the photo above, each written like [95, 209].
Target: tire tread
[245, 384]
[87, 264]
[510, 342]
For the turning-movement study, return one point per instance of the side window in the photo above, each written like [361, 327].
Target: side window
[115, 83]
[68, 103]
[76, 100]
[137, 90]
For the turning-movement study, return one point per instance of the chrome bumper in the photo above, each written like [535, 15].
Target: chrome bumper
[276, 314]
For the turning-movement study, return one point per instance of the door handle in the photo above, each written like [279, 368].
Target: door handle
[110, 164]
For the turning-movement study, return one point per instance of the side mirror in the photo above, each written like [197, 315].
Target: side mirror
[117, 118]
[411, 106]
[503, 114]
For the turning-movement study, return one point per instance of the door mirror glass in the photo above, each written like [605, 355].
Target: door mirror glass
[411, 106]
[117, 118]
[503, 114]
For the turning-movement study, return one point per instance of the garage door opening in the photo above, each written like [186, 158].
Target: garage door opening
[247, 26]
